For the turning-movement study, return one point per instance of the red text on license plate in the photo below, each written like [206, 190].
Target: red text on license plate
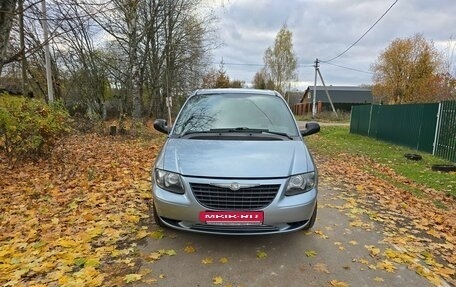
[233, 217]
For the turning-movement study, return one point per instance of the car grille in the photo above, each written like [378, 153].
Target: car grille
[221, 198]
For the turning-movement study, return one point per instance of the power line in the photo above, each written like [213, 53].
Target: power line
[255, 65]
[362, 36]
[240, 64]
[348, 68]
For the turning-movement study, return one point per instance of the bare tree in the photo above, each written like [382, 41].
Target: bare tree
[130, 53]
[7, 14]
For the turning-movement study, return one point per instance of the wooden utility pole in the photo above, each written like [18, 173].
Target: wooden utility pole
[314, 101]
[317, 71]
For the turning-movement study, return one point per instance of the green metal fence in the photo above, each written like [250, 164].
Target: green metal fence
[446, 137]
[425, 127]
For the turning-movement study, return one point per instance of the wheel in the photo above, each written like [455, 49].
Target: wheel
[312, 219]
[156, 217]
[444, 167]
[413, 156]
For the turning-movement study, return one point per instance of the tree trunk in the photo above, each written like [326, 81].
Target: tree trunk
[7, 8]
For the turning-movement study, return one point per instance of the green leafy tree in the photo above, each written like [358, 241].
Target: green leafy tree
[408, 71]
[280, 60]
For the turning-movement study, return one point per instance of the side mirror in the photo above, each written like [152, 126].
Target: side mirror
[311, 128]
[161, 126]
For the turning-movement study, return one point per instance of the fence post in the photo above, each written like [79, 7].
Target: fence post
[437, 130]
[370, 121]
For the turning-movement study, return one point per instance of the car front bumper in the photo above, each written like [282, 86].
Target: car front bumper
[283, 214]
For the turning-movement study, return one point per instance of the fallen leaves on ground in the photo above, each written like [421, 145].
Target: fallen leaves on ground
[414, 224]
[71, 220]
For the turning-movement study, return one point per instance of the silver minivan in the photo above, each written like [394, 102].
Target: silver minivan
[235, 162]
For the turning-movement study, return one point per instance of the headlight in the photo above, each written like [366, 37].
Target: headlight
[169, 181]
[300, 183]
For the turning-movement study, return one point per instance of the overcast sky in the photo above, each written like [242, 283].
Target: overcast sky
[323, 29]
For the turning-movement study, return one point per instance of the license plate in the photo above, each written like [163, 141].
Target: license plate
[232, 217]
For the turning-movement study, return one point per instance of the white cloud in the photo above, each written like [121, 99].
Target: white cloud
[323, 29]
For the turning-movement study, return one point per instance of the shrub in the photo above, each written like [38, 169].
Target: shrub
[30, 127]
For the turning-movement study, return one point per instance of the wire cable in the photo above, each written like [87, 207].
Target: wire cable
[348, 68]
[256, 65]
[362, 36]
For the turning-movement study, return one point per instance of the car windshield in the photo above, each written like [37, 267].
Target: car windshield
[235, 113]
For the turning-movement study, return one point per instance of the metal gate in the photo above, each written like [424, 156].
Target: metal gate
[425, 127]
[445, 137]
[411, 125]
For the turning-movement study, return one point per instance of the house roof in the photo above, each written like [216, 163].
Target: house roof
[339, 94]
[293, 97]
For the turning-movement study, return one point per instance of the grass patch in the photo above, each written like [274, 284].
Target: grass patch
[326, 117]
[332, 141]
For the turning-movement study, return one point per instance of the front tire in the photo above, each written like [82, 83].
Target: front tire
[312, 219]
[156, 217]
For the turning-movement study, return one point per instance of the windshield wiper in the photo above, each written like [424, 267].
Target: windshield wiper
[250, 130]
[222, 130]
[278, 133]
[237, 130]
[189, 132]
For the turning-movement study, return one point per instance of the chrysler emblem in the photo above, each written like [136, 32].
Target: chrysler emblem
[234, 186]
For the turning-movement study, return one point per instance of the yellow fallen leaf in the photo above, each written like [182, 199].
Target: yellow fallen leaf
[157, 234]
[154, 256]
[261, 254]
[337, 283]
[223, 260]
[141, 234]
[320, 267]
[132, 278]
[363, 261]
[67, 243]
[93, 262]
[386, 265]
[170, 252]
[189, 249]
[207, 260]
[217, 280]
[311, 253]
[378, 279]
[374, 251]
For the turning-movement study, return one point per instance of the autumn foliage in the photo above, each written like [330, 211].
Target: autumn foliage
[411, 70]
[70, 220]
[30, 127]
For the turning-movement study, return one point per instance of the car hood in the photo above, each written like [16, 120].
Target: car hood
[235, 159]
